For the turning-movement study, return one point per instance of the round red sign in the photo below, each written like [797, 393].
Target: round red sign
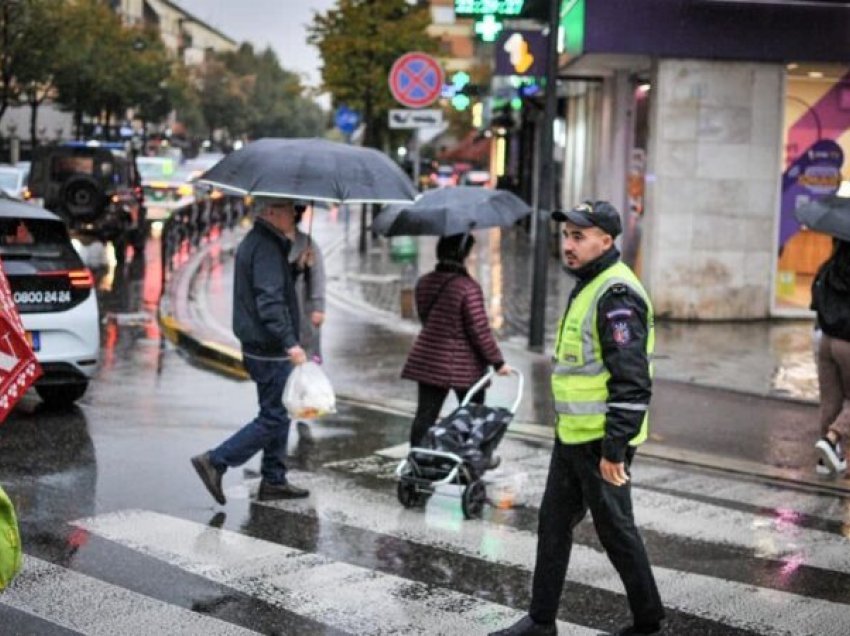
[416, 80]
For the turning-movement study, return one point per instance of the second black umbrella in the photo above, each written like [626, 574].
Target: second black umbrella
[449, 211]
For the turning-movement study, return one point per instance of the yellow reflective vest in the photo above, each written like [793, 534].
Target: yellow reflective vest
[580, 378]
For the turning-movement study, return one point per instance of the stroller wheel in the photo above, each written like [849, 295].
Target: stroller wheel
[407, 495]
[473, 499]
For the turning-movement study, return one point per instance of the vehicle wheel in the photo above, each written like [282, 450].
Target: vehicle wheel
[407, 495]
[473, 499]
[61, 395]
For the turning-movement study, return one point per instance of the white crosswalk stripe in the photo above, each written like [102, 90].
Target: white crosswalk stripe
[344, 596]
[90, 606]
[766, 611]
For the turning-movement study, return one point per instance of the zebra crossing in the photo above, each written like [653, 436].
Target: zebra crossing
[730, 556]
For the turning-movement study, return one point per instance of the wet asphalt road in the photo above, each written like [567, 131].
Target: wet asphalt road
[121, 538]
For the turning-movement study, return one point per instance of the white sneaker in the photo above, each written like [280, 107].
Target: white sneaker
[831, 460]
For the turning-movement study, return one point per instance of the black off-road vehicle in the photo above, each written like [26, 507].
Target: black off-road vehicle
[95, 187]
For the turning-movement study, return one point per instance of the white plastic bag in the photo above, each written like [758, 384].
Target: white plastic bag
[308, 393]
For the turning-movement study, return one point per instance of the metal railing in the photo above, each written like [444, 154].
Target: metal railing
[189, 227]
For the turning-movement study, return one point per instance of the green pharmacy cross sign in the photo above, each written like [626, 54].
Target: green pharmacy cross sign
[488, 28]
[488, 7]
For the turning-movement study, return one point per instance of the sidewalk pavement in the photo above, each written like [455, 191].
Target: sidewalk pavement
[737, 397]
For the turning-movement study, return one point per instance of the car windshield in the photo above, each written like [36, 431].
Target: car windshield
[33, 237]
[10, 179]
[153, 168]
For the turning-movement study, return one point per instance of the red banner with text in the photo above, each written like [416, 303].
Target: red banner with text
[18, 365]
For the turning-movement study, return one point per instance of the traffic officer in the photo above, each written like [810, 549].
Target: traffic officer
[602, 385]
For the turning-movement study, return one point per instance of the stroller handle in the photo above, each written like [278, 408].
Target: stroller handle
[520, 381]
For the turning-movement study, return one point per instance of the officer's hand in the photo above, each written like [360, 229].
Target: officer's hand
[613, 473]
[317, 318]
[296, 355]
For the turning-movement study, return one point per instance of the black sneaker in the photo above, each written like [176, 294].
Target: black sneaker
[272, 492]
[831, 456]
[527, 627]
[637, 630]
[210, 475]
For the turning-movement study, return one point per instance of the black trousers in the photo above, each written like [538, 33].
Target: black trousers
[428, 407]
[573, 486]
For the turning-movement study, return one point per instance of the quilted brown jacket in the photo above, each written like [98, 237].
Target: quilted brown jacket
[456, 344]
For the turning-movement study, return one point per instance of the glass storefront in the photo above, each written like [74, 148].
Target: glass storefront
[817, 146]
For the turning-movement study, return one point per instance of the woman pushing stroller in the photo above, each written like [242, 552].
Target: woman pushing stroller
[456, 345]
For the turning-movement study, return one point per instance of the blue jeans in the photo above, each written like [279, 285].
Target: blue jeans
[269, 431]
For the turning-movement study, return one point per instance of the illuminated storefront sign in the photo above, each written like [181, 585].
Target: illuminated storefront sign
[571, 33]
[488, 7]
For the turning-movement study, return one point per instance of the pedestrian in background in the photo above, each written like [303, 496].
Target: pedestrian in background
[831, 302]
[266, 322]
[308, 272]
[602, 385]
[456, 345]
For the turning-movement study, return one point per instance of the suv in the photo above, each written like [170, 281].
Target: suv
[95, 187]
[55, 296]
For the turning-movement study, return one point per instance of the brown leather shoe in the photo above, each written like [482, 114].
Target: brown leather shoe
[210, 475]
[272, 492]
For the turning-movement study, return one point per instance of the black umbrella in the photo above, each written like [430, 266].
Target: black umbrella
[830, 215]
[450, 211]
[312, 169]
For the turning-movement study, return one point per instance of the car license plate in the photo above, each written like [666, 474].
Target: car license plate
[34, 340]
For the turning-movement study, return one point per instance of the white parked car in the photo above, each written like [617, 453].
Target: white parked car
[55, 296]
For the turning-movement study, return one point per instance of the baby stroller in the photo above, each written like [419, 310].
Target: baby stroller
[460, 450]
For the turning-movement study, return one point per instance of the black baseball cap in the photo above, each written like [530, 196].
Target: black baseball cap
[599, 213]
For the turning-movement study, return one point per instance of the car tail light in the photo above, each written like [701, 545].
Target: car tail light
[79, 278]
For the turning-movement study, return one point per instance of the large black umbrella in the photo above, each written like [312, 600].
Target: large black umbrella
[450, 211]
[312, 169]
[830, 215]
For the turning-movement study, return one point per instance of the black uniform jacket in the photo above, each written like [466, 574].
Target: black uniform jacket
[265, 306]
[622, 320]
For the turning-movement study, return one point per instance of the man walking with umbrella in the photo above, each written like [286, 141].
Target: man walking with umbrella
[602, 385]
[266, 321]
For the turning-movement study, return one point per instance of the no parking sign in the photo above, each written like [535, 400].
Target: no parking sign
[416, 80]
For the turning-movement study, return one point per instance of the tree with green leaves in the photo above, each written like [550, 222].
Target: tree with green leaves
[276, 105]
[359, 40]
[40, 21]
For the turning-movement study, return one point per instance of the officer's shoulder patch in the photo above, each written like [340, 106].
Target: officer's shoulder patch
[621, 333]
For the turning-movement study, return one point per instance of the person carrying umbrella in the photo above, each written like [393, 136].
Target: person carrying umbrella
[831, 302]
[266, 322]
[456, 344]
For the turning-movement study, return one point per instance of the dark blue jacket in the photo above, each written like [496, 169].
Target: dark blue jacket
[265, 306]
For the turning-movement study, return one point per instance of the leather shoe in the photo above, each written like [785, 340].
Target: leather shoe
[210, 475]
[527, 627]
[639, 630]
[271, 492]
